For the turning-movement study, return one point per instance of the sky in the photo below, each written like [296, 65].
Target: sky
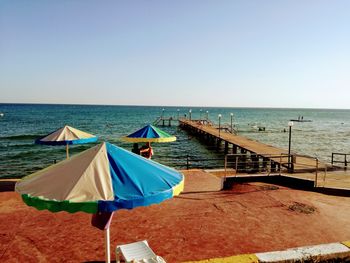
[249, 53]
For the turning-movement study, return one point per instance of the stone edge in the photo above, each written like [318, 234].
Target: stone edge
[317, 253]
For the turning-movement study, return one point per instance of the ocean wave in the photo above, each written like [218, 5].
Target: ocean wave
[257, 131]
[31, 154]
[17, 145]
[22, 137]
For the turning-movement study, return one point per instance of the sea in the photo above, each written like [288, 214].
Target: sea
[20, 124]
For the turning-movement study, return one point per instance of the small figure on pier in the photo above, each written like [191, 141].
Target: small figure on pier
[146, 150]
[135, 148]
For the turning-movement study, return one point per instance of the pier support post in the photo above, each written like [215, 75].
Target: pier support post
[264, 164]
[243, 160]
[218, 144]
[210, 139]
[234, 151]
[207, 138]
[273, 166]
[255, 161]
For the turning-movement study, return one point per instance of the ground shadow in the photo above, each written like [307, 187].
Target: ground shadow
[7, 185]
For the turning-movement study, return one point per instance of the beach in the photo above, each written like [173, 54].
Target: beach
[201, 223]
[217, 131]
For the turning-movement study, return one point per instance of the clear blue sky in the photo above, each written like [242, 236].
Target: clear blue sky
[189, 52]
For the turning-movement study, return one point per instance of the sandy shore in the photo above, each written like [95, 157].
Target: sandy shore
[201, 223]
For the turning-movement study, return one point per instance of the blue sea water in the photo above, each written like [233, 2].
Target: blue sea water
[21, 124]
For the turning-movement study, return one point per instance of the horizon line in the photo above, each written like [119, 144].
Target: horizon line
[172, 106]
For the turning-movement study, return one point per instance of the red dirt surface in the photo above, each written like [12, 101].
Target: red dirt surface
[250, 218]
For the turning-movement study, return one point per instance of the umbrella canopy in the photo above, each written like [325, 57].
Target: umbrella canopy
[104, 178]
[150, 133]
[66, 135]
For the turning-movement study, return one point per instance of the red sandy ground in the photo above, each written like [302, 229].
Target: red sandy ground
[249, 218]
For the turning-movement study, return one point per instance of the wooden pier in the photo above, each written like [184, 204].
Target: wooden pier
[239, 145]
[163, 120]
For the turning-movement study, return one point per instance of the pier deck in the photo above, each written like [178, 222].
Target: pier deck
[249, 145]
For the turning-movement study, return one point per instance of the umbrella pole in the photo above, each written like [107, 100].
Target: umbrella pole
[107, 246]
[67, 151]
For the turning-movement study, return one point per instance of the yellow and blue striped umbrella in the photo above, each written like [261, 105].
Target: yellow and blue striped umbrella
[149, 133]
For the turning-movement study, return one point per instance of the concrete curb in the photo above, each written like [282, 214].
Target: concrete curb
[318, 253]
[245, 258]
[332, 252]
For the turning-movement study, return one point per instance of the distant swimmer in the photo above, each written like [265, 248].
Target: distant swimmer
[1, 114]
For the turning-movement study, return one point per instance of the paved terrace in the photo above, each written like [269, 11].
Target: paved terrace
[199, 224]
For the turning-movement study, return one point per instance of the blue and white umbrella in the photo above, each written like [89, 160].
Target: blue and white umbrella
[100, 180]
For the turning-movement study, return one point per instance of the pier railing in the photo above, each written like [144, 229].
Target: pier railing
[335, 159]
[234, 164]
[267, 164]
[192, 162]
[252, 164]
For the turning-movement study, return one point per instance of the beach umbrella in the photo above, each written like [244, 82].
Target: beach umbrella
[149, 133]
[100, 180]
[65, 136]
